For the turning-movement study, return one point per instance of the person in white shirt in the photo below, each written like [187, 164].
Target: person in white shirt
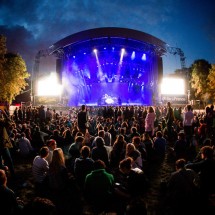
[40, 168]
[188, 122]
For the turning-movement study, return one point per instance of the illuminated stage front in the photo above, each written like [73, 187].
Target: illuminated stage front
[109, 66]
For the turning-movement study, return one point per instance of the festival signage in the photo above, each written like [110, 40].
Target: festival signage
[174, 99]
[46, 100]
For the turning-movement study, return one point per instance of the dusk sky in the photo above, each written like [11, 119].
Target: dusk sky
[187, 24]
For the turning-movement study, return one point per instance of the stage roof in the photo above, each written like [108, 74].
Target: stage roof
[109, 32]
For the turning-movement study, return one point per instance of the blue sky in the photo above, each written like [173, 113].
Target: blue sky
[31, 25]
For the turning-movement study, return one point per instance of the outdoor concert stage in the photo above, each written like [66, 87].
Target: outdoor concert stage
[109, 66]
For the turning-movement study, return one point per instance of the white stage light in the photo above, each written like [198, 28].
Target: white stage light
[109, 101]
[49, 86]
[122, 55]
[173, 86]
[144, 57]
[133, 55]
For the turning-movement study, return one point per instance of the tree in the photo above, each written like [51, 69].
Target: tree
[211, 82]
[199, 82]
[3, 51]
[13, 73]
[182, 73]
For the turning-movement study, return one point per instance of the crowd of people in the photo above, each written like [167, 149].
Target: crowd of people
[101, 157]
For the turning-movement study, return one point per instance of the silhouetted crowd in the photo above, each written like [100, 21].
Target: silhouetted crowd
[98, 160]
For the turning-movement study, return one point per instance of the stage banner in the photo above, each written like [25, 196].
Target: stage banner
[174, 99]
[47, 100]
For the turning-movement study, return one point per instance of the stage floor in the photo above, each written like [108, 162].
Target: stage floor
[123, 104]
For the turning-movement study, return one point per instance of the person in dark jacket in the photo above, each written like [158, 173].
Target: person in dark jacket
[83, 119]
[181, 191]
[100, 151]
[130, 183]
[9, 202]
[206, 172]
[83, 165]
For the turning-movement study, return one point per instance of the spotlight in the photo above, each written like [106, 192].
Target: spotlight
[122, 51]
[144, 57]
[109, 101]
[122, 55]
[133, 55]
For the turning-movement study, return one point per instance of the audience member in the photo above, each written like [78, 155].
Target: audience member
[98, 188]
[132, 152]
[83, 166]
[24, 146]
[118, 152]
[149, 121]
[83, 119]
[130, 183]
[5, 146]
[57, 175]
[205, 169]
[159, 145]
[181, 147]
[51, 146]
[181, 190]
[169, 120]
[147, 141]
[10, 205]
[40, 169]
[99, 152]
[188, 122]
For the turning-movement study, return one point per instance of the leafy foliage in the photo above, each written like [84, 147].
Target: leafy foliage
[199, 79]
[13, 73]
[211, 82]
[3, 51]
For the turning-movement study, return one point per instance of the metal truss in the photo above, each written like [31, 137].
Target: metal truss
[178, 51]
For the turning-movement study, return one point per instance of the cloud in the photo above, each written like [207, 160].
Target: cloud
[34, 25]
[65, 17]
[19, 40]
[39, 24]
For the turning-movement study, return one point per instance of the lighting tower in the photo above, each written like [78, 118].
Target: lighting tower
[185, 71]
[178, 51]
[35, 71]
